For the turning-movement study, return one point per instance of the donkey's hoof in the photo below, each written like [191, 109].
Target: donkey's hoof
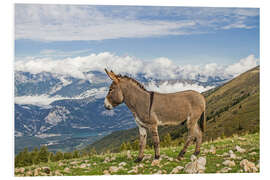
[139, 159]
[157, 157]
[181, 154]
[196, 153]
[180, 158]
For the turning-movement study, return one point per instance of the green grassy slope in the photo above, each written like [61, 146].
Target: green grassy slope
[231, 108]
[111, 162]
[234, 107]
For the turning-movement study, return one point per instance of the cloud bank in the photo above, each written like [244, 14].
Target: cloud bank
[160, 68]
[74, 22]
[166, 87]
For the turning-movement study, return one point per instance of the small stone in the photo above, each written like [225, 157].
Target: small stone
[229, 163]
[83, 166]
[164, 171]
[36, 172]
[248, 166]
[106, 160]
[86, 161]
[177, 169]
[217, 165]
[241, 138]
[196, 165]
[74, 162]
[155, 162]
[159, 172]
[60, 164]
[225, 170]
[106, 172]
[29, 173]
[134, 170]
[170, 159]
[94, 163]
[67, 170]
[239, 149]
[193, 157]
[201, 162]
[212, 149]
[122, 164]
[252, 153]
[43, 174]
[129, 155]
[113, 169]
[57, 173]
[21, 170]
[232, 155]
[140, 165]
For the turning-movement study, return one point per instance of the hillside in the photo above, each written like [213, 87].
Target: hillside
[233, 155]
[232, 108]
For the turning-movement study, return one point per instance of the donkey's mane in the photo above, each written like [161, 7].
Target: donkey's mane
[132, 80]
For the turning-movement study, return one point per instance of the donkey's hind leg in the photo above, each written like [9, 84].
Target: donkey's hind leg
[190, 138]
[183, 151]
[155, 137]
[197, 133]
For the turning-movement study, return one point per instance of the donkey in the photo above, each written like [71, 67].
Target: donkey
[151, 109]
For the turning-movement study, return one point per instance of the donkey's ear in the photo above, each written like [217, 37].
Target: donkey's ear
[112, 76]
[107, 72]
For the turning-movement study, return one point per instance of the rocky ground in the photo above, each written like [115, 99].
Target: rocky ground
[230, 155]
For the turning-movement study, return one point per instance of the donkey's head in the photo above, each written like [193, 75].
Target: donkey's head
[115, 95]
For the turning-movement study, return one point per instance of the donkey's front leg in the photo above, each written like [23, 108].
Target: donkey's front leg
[154, 131]
[143, 136]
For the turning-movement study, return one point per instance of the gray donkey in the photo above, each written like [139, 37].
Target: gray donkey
[151, 109]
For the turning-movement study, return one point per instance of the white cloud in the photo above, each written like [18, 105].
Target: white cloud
[45, 100]
[238, 25]
[166, 87]
[42, 100]
[243, 65]
[67, 23]
[73, 22]
[58, 54]
[160, 68]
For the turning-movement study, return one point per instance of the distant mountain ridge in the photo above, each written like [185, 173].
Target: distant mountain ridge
[75, 108]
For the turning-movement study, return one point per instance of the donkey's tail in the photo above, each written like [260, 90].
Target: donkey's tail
[202, 121]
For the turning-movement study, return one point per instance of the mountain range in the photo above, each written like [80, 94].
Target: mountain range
[64, 112]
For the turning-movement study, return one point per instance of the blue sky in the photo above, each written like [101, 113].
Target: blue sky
[185, 35]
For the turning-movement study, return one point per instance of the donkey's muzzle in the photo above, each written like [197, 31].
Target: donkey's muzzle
[107, 104]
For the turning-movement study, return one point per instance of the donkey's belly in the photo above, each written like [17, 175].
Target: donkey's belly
[169, 118]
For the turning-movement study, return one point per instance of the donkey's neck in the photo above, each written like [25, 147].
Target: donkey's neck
[137, 99]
